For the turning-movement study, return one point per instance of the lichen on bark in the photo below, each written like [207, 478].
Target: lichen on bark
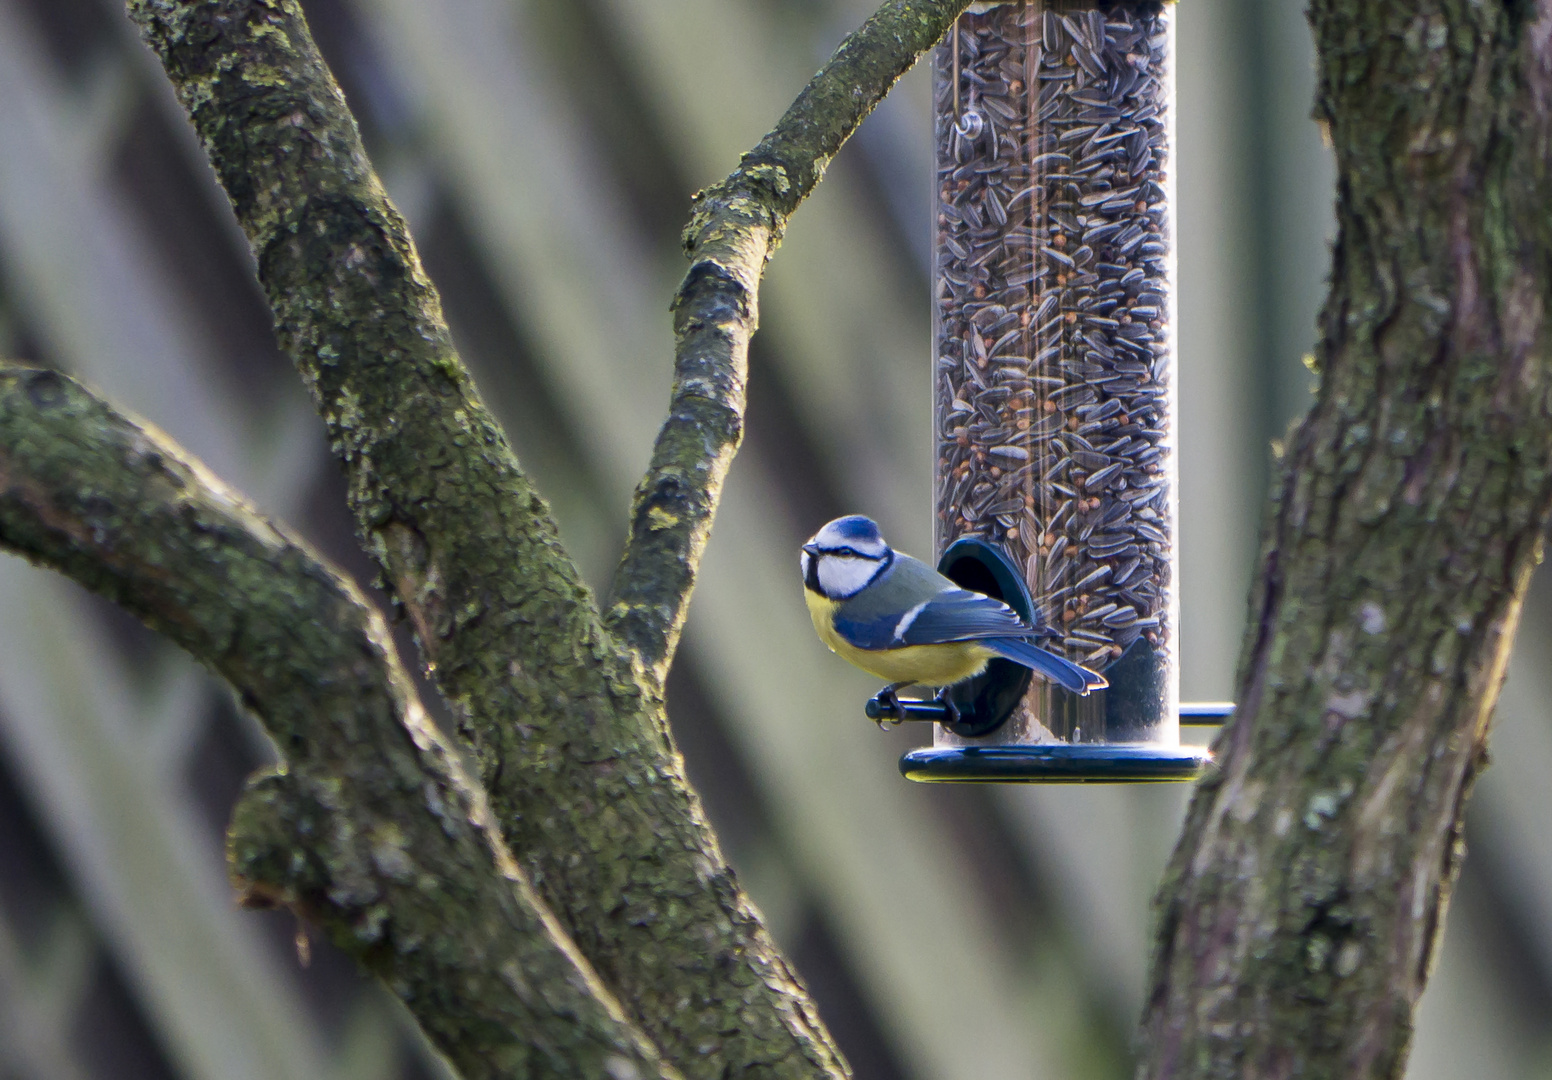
[1300, 913]
[565, 718]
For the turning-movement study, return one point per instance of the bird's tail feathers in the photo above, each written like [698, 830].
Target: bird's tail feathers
[1060, 670]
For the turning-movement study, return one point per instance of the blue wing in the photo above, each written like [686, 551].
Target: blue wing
[1060, 670]
[950, 615]
[960, 615]
[955, 614]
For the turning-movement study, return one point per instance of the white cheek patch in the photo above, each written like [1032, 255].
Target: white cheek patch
[803, 561]
[843, 575]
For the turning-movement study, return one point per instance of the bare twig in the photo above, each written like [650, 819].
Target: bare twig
[370, 828]
[734, 229]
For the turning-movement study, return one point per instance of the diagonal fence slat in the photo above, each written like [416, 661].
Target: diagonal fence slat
[850, 337]
[101, 762]
[133, 851]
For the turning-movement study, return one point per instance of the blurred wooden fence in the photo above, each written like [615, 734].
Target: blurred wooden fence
[544, 154]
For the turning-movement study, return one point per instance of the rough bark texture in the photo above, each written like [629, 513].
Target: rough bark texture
[1300, 912]
[734, 229]
[581, 773]
[370, 827]
[566, 723]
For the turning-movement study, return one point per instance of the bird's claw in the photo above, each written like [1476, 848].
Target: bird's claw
[891, 694]
[885, 709]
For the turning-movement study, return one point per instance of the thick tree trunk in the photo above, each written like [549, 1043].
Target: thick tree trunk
[1300, 913]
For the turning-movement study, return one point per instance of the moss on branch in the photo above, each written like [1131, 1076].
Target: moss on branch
[1301, 911]
[566, 724]
[371, 829]
[735, 227]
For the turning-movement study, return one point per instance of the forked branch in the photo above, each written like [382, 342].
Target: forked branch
[567, 726]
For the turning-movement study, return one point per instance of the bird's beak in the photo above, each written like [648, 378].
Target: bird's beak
[812, 549]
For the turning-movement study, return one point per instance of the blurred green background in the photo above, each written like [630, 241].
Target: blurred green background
[544, 154]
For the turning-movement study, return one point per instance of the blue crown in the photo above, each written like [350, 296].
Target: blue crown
[856, 528]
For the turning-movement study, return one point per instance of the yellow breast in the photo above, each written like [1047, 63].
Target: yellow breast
[930, 665]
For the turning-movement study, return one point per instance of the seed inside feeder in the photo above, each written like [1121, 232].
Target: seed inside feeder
[1053, 353]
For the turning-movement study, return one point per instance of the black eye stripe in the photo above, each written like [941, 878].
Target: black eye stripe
[848, 552]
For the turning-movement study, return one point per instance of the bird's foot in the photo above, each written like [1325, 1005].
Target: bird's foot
[885, 709]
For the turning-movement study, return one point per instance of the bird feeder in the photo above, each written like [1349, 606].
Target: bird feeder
[1055, 386]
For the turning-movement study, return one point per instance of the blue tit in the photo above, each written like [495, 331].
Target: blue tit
[898, 618]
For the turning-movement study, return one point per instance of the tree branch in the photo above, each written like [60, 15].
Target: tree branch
[370, 828]
[1302, 908]
[734, 229]
[568, 728]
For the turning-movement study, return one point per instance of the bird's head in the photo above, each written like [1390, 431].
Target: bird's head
[843, 558]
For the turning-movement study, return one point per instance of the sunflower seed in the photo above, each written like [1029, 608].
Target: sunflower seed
[1053, 353]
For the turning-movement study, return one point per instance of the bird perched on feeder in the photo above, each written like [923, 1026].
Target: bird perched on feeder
[898, 618]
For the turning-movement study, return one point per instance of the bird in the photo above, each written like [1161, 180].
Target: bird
[899, 619]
